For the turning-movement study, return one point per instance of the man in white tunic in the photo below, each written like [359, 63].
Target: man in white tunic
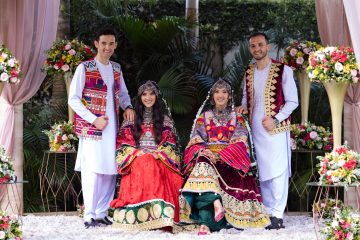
[270, 96]
[97, 91]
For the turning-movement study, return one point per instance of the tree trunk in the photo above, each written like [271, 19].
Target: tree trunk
[192, 15]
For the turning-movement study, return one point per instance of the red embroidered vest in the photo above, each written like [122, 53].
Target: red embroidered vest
[94, 98]
[273, 95]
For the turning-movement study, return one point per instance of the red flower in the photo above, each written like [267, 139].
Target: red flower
[14, 73]
[350, 164]
[341, 150]
[344, 224]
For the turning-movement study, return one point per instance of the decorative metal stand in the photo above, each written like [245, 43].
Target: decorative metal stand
[10, 198]
[59, 183]
[298, 166]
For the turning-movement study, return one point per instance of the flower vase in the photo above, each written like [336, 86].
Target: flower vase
[67, 78]
[336, 93]
[2, 85]
[304, 86]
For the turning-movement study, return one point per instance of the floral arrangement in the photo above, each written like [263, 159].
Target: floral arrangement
[333, 64]
[64, 56]
[340, 167]
[9, 227]
[9, 66]
[345, 224]
[297, 54]
[7, 173]
[62, 137]
[310, 136]
[328, 207]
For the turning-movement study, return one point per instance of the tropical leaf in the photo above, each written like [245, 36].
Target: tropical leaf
[179, 93]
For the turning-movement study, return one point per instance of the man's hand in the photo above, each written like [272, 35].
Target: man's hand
[129, 115]
[241, 109]
[101, 122]
[268, 123]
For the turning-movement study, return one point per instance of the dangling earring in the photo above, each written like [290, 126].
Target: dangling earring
[212, 102]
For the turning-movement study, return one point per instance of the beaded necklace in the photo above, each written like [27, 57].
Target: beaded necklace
[221, 116]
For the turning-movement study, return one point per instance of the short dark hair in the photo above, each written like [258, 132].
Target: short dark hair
[105, 31]
[255, 34]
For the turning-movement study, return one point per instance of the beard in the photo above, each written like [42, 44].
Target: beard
[261, 56]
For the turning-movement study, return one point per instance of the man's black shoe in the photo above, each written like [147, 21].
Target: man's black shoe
[104, 221]
[91, 223]
[281, 223]
[274, 224]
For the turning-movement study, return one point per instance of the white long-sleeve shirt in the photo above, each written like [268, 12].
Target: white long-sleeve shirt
[273, 152]
[98, 155]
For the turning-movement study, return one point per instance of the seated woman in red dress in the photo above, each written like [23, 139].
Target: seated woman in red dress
[148, 161]
[221, 189]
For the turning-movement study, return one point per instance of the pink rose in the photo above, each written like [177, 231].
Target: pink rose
[67, 47]
[72, 52]
[355, 79]
[313, 135]
[4, 77]
[64, 137]
[65, 68]
[56, 66]
[306, 50]
[293, 52]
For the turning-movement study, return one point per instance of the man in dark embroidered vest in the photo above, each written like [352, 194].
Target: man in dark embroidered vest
[97, 91]
[270, 96]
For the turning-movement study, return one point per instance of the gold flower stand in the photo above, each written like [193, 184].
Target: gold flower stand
[325, 192]
[60, 185]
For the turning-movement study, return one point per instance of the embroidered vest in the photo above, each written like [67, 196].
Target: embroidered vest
[94, 98]
[273, 96]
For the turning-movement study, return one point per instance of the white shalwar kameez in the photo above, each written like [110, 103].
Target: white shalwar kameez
[96, 158]
[273, 152]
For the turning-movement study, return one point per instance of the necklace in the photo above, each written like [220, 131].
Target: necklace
[221, 117]
[147, 116]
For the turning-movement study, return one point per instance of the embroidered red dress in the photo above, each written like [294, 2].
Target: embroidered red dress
[149, 188]
[232, 179]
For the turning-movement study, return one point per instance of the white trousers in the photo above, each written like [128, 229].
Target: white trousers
[98, 191]
[275, 194]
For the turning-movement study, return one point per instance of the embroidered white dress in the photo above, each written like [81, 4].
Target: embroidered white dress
[273, 152]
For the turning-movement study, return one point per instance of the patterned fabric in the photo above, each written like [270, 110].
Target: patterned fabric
[149, 188]
[273, 88]
[94, 98]
[232, 176]
[128, 150]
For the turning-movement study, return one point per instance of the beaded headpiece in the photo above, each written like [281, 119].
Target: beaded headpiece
[148, 85]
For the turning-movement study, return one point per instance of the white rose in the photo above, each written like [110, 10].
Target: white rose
[14, 79]
[354, 72]
[334, 224]
[341, 162]
[320, 56]
[355, 79]
[311, 74]
[4, 77]
[2, 235]
[339, 67]
[300, 60]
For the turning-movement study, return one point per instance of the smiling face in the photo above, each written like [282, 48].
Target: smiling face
[258, 47]
[148, 98]
[221, 97]
[105, 46]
